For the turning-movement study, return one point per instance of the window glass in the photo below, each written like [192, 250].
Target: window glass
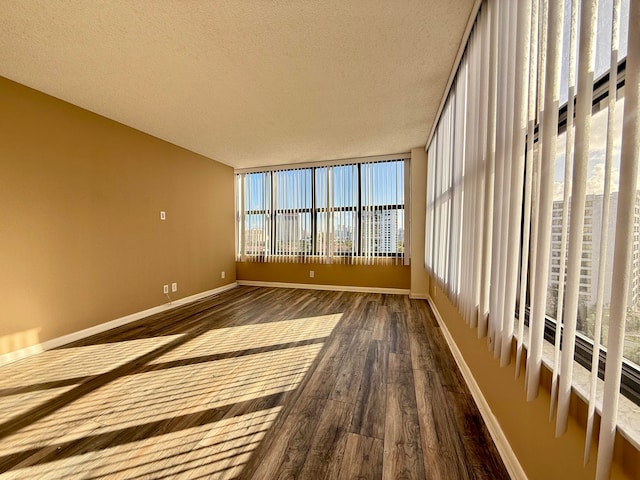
[602, 41]
[354, 209]
[593, 236]
[382, 214]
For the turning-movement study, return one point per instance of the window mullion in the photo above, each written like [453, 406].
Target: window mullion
[359, 235]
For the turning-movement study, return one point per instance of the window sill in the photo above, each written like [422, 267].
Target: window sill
[628, 412]
[318, 259]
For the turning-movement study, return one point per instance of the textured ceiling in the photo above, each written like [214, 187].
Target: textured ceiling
[248, 83]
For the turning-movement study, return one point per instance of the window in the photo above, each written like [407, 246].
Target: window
[255, 226]
[525, 122]
[292, 212]
[337, 212]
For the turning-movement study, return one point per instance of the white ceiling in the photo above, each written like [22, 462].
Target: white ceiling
[245, 82]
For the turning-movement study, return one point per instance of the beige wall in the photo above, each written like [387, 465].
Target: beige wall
[419, 277]
[81, 241]
[526, 424]
[378, 276]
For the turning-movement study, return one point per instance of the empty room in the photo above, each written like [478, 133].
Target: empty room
[320, 239]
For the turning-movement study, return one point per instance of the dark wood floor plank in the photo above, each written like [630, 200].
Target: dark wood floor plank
[370, 411]
[323, 380]
[398, 333]
[443, 362]
[419, 343]
[325, 455]
[362, 458]
[443, 452]
[351, 368]
[287, 451]
[479, 450]
[251, 383]
[402, 444]
[363, 318]
[381, 324]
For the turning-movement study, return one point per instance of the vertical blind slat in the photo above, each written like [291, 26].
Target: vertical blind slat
[528, 181]
[611, 110]
[559, 313]
[495, 315]
[517, 173]
[589, 9]
[487, 238]
[496, 247]
[549, 123]
[627, 195]
[478, 176]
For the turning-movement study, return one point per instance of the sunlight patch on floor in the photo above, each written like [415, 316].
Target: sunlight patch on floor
[246, 337]
[77, 362]
[217, 450]
[170, 393]
[153, 396]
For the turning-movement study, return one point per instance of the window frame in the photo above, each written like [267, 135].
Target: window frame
[271, 213]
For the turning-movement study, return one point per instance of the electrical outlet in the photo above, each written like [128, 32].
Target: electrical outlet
[312, 274]
[222, 275]
[165, 289]
[163, 215]
[174, 287]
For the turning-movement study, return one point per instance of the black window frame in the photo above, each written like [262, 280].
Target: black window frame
[271, 213]
[630, 380]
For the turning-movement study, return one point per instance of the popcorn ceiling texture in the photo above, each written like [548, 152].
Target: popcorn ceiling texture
[248, 83]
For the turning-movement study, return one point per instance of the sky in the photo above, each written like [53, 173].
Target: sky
[597, 154]
[598, 134]
[603, 41]
[382, 184]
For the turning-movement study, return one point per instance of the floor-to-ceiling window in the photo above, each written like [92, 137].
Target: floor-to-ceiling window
[344, 212]
[542, 122]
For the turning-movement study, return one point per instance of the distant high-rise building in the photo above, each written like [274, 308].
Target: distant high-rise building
[591, 248]
[255, 240]
[288, 232]
[381, 230]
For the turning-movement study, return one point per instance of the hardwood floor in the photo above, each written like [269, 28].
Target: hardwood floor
[254, 383]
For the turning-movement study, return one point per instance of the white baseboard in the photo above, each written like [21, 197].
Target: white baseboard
[419, 296]
[315, 286]
[502, 444]
[87, 332]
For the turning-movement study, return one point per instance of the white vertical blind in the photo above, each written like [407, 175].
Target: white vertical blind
[588, 13]
[611, 110]
[548, 139]
[565, 207]
[459, 227]
[239, 230]
[351, 212]
[489, 181]
[509, 161]
[501, 207]
[528, 180]
[517, 162]
[623, 254]
[292, 212]
[480, 127]
[468, 188]
[559, 312]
